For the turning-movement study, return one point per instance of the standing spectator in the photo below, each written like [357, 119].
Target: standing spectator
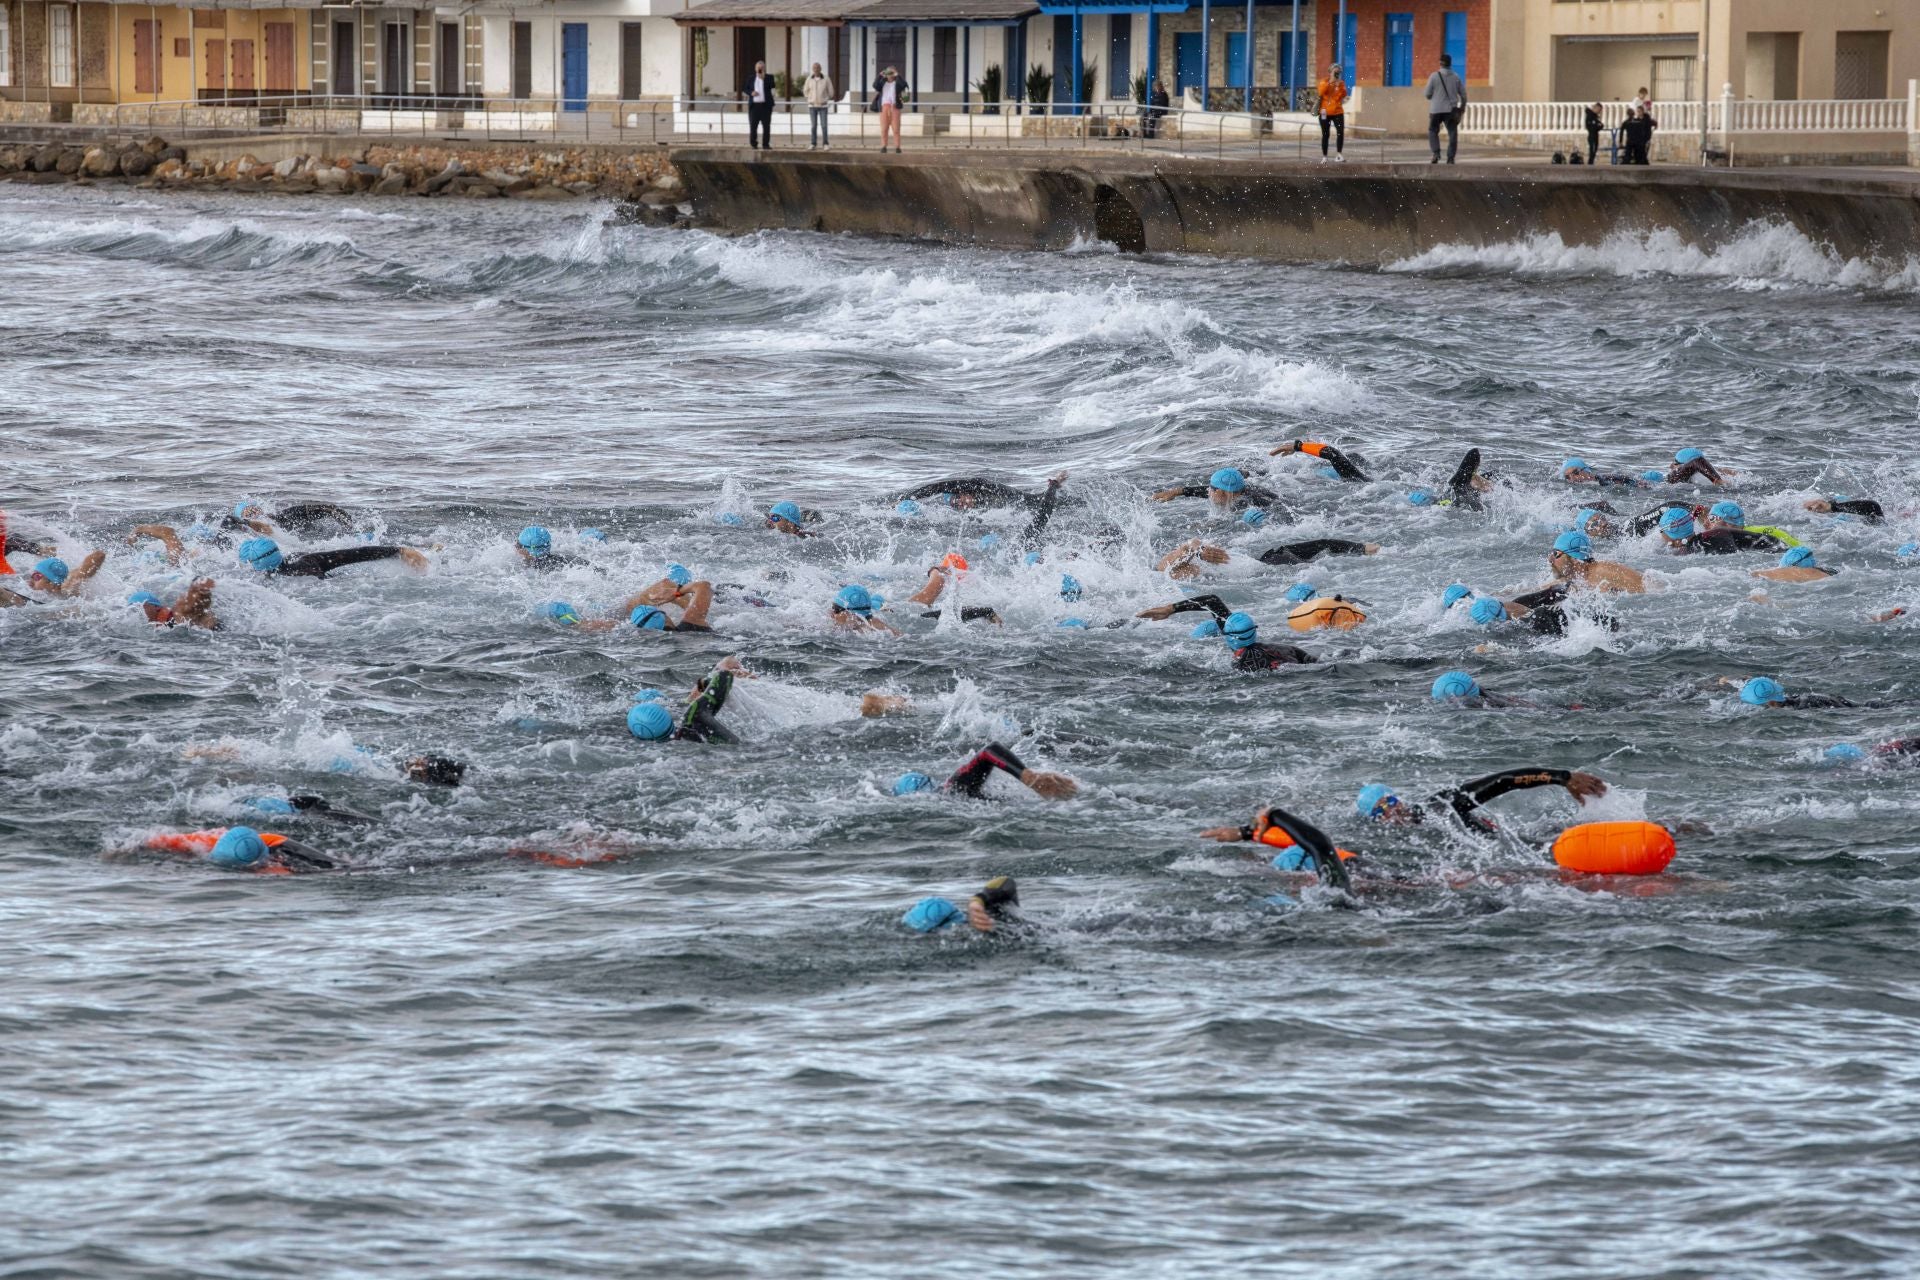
[1446, 104]
[759, 93]
[1332, 110]
[1638, 132]
[888, 92]
[1157, 104]
[1594, 125]
[819, 92]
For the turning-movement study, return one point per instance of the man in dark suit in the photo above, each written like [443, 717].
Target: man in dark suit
[759, 93]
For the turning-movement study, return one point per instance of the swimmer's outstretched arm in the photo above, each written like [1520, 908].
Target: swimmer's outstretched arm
[78, 578]
[1181, 491]
[1326, 862]
[195, 605]
[161, 533]
[1214, 605]
[1339, 461]
[937, 578]
[1183, 556]
[1468, 796]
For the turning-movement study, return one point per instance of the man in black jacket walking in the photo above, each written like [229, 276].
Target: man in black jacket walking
[760, 93]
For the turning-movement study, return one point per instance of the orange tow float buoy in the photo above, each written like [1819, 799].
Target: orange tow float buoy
[1325, 612]
[1281, 840]
[202, 841]
[1615, 848]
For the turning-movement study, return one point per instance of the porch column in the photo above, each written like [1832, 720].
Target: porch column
[1206, 48]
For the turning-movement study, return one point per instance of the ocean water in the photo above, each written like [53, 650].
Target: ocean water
[714, 1050]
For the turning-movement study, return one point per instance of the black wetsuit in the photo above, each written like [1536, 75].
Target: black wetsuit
[318, 564]
[1866, 508]
[1301, 552]
[552, 561]
[1684, 471]
[1462, 800]
[1813, 701]
[701, 720]
[1042, 513]
[1547, 612]
[1266, 657]
[317, 807]
[1724, 542]
[1251, 496]
[1313, 844]
[970, 779]
[1460, 487]
[970, 613]
[985, 493]
[1339, 461]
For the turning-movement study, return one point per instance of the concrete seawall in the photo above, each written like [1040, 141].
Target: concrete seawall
[1284, 212]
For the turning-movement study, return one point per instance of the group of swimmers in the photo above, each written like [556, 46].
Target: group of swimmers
[679, 602]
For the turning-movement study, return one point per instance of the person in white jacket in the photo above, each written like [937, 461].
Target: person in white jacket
[819, 93]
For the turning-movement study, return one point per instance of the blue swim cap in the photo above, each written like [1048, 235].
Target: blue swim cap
[1069, 587]
[647, 695]
[1294, 859]
[243, 506]
[929, 914]
[53, 569]
[1688, 455]
[1240, 630]
[1584, 517]
[561, 612]
[1327, 473]
[788, 511]
[1575, 545]
[1078, 623]
[648, 618]
[678, 575]
[1575, 464]
[1676, 522]
[1421, 498]
[906, 507]
[1653, 477]
[1795, 557]
[1227, 480]
[1031, 558]
[1255, 516]
[1762, 690]
[730, 519]
[1372, 796]
[1487, 611]
[591, 535]
[536, 540]
[649, 721]
[276, 805]
[988, 541]
[911, 781]
[1844, 753]
[855, 598]
[1908, 549]
[262, 554]
[1208, 630]
[1454, 594]
[144, 597]
[1455, 684]
[1727, 511]
[238, 847]
[1300, 591]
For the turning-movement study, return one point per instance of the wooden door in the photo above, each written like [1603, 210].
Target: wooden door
[243, 66]
[749, 47]
[279, 70]
[146, 57]
[632, 81]
[451, 79]
[217, 64]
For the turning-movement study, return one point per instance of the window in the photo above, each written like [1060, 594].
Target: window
[6, 47]
[1120, 57]
[632, 69]
[1399, 50]
[1455, 44]
[1860, 64]
[60, 46]
[1673, 81]
[522, 50]
[946, 59]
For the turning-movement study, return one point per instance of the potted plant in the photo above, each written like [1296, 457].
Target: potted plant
[1039, 89]
[989, 86]
[1138, 88]
[1089, 81]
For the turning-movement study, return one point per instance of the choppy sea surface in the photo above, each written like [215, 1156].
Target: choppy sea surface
[719, 1053]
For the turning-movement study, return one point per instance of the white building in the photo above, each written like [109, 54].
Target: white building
[574, 54]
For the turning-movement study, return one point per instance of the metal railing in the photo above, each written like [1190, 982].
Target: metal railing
[1723, 115]
[661, 122]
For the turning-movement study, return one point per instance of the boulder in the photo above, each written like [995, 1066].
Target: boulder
[499, 177]
[137, 163]
[155, 146]
[658, 199]
[170, 171]
[546, 191]
[9, 160]
[247, 166]
[288, 167]
[362, 176]
[668, 181]
[394, 184]
[47, 179]
[439, 181]
[172, 153]
[330, 179]
[583, 188]
[480, 190]
[47, 158]
[70, 161]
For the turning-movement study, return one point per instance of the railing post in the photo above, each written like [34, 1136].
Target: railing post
[1913, 122]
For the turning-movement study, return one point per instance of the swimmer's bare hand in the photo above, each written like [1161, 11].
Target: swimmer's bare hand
[1159, 613]
[1225, 835]
[1584, 787]
[1057, 479]
[1212, 554]
[1166, 495]
[978, 916]
[875, 705]
[1050, 786]
[1290, 447]
[732, 663]
[413, 559]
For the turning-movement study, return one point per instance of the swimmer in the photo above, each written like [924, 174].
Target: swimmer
[1692, 464]
[1184, 561]
[1572, 562]
[970, 779]
[967, 493]
[1544, 611]
[1839, 504]
[264, 555]
[242, 848]
[1305, 847]
[1242, 635]
[1214, 605]
[1767, 694]
[534, 546]
[1467, 484]
[298, 517]
[1591, 519]
[1457, 688]
[1227, 489]
[194, 606]
[51, 578]
[1331, 456]
[952, 567]
[1720, 530]
[1796, 565]
[306, 806]
[985, 911]
[1580, 471]
[852, 610]
[644, 610]
[433, 770]
[786, 517]
[1377, 802]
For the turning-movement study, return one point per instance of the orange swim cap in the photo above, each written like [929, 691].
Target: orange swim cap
[954, 560]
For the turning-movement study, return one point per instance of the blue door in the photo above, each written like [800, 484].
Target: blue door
[1349, 49]
[1236, 58]
[1066, 86]
[1399, 50]
[1294, 74]
[573, 65]
[1120, 57]
[1456, 43]
[1186, 61]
